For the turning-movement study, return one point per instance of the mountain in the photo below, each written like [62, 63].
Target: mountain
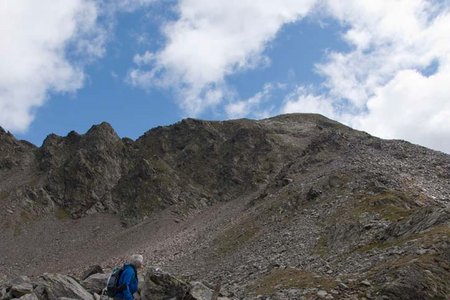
[292, 207]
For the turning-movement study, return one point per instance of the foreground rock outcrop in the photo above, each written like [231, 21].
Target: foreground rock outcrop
[158, 285]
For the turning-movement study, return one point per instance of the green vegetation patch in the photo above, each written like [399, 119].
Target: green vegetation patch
[62, 214]
[390, 205]
[26, 216]
[429, 272]
[426, 238]
[321, 247]
[290, 278]
[4, 194]
[235, 237]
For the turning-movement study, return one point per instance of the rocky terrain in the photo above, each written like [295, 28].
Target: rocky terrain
[156, 285]
[292, 207]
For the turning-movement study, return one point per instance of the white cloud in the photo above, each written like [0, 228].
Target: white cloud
[304, 101]
[211, 40]
[412, 107]
[34, 36]
[392, 42]
[253, 106]
[387, 36]
[44, 47]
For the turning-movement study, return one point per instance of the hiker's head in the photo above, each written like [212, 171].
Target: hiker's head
[136, 260]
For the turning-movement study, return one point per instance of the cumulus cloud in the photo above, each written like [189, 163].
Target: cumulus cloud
[384, 78]
[44, 47]
[34, 37]
[255, 106]
[304, 101]
[211, 40]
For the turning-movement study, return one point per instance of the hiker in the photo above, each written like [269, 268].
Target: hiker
[128, 280]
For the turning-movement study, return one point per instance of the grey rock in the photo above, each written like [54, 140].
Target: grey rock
[343, 285]
[160, 285]
[18, 290]
[3, 294]
[55, 286]
[95, 283]
[313, 193]
[95, 269]
[199, 291]
[31, 296]
[322, 294]
[366, 283]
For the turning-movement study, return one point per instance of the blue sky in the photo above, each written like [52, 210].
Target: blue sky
[380, 67]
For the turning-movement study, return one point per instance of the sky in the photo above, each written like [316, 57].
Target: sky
[378, 66]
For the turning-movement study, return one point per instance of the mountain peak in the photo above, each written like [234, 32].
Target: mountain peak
[103, 130]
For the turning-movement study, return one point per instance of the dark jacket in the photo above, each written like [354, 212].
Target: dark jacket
[129, 280]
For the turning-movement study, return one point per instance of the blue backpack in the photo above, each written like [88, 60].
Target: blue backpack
[112, 287]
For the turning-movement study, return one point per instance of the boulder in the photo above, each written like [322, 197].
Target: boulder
[31, 296]
[199, 291]
[55, 286]
[3, 293]
[16, 288]
[160, 285]
[95, 269]
[102, 297]
[95, 283]
[19, 290]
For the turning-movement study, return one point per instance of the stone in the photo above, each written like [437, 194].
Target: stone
[322, 294]
[343, 286]
[366, 283]
[95, 269]
[199, 291]
[31, 296]
[95, 283]
[55, 286]
[20, 290]
[313, 193]
[421, 251]
[3, 293]
[159, 285]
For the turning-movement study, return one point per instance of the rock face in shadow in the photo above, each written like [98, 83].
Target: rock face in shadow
[95, 283]
[160, 285]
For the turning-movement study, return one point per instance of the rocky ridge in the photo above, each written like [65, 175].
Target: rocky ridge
[291, 207]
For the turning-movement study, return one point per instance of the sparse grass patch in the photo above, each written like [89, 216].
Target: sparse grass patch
[7, 224]
[390, 205]
[290, 278]
[236, 236]
[17, 230]
[321, 247]
[26, 216]
[427, 238]
[62, 214]
[4, 194]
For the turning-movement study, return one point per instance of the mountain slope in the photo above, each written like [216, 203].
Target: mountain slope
[286, 206]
